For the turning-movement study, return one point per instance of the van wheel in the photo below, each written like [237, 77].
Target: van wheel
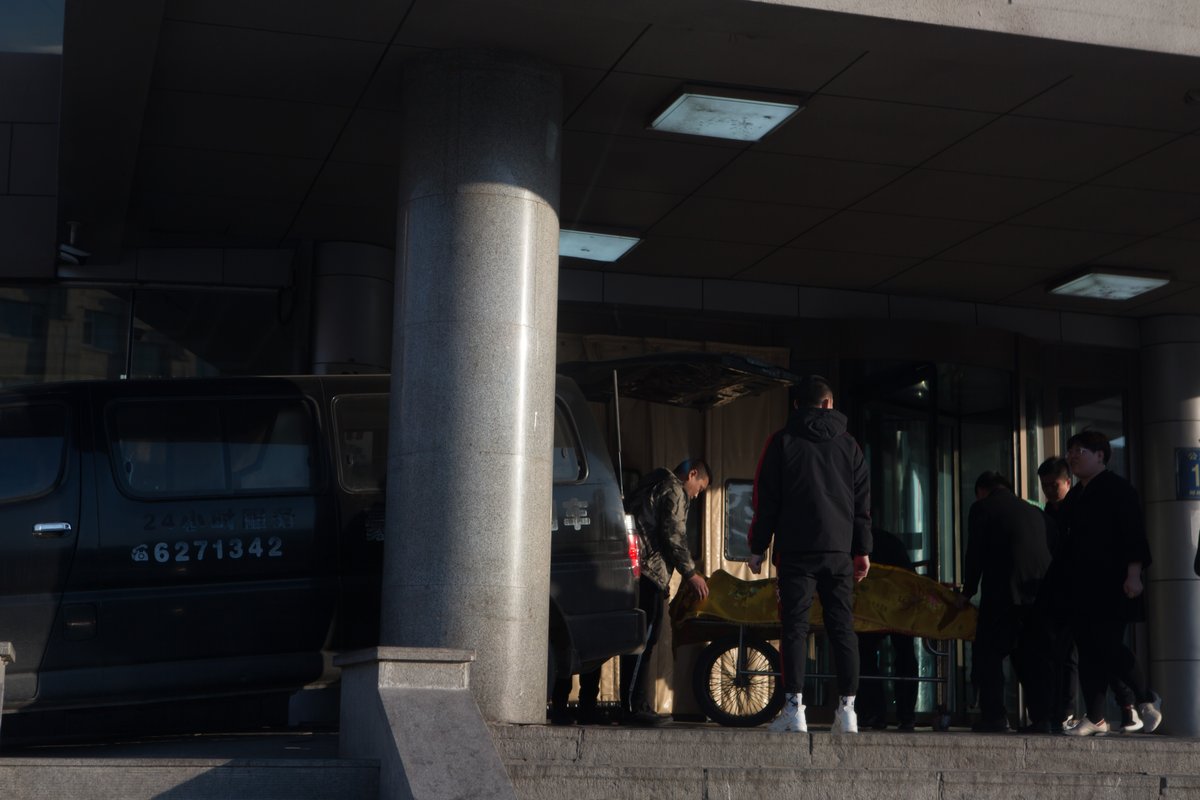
[738, 685]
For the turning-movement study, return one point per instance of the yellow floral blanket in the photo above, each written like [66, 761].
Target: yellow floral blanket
[889, 600]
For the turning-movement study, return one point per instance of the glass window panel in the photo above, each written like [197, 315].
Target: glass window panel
[270, 445]
[169, 448]
[1035, 450]
[33, 440]
[739, 512]
[32, 26]
[103, 331]
[362, 426]
[568, 455]
[57, 334]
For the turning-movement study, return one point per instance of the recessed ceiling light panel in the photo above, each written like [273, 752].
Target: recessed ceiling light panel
[1109, 286]
[736, 118]
[594, 246]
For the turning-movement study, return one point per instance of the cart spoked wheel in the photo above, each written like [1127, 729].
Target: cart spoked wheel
[738, 685]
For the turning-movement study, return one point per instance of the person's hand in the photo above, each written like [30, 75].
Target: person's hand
[1133, 585]
[755, 564]
[699, 585]
[961, 601]
[862, 565]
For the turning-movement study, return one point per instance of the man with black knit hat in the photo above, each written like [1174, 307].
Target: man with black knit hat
[812, 495]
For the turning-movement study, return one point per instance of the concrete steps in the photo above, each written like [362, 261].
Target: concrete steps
[668, 763]
[186, 779]
[244, 767]
[700, 763]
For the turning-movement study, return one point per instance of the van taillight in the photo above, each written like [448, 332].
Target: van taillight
[635, 556]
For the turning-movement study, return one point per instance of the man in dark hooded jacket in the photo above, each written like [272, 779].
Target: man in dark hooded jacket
[812, 495]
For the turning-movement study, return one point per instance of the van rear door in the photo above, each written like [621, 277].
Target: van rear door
[39, 521]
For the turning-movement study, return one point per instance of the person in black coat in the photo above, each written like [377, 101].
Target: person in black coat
[1105, 553]
[1008, 551]
[812, 499]
[1054, 475]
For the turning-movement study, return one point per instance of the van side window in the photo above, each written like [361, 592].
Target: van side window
[362, 433]
[33, 440]
[270, 445]
[195, 447]
[568, 455]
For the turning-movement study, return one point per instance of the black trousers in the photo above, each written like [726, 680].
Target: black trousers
[1104, 660]
[831, 576]
[871, 702]
[589, 691]
[1013, 632]
[1064, 669]
[635, 669]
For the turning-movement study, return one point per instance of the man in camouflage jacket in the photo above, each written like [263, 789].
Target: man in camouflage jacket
[659, 506]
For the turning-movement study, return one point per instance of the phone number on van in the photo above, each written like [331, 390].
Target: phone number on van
[199, 549]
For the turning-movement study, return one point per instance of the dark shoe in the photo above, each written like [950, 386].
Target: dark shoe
[875, 722]
[991, 726]
[907, 726]
[560, 716]
[643, 719]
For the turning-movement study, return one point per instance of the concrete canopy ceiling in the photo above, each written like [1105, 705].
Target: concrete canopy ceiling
[928, 161]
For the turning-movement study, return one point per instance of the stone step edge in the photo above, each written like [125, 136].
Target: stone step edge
[166, 762]
[527, 772]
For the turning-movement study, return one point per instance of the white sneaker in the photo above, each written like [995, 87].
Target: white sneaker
[1151, 713]
[791, 718]
[1070, 722]
[1088, 728]
[1130, 721]
[844, 718]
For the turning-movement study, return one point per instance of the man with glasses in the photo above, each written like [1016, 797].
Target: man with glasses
[1105, 552]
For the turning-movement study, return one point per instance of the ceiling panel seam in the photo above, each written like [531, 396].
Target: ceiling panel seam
[349, 117]
[604, 77]
[1127, 245]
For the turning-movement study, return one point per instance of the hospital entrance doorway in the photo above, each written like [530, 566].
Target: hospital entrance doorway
[928, 430]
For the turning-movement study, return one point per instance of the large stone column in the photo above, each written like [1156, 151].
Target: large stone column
[1171, 420]
[353, 297]
[467, 552]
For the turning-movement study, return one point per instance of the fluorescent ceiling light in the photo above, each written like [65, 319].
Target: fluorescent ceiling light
[1109, 286]
[741, 119]
[594, 246]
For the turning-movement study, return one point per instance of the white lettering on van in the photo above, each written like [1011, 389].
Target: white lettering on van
[553, 521]
[575, 513]
[211, 549]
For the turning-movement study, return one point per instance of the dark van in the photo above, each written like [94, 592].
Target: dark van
[162, 540]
